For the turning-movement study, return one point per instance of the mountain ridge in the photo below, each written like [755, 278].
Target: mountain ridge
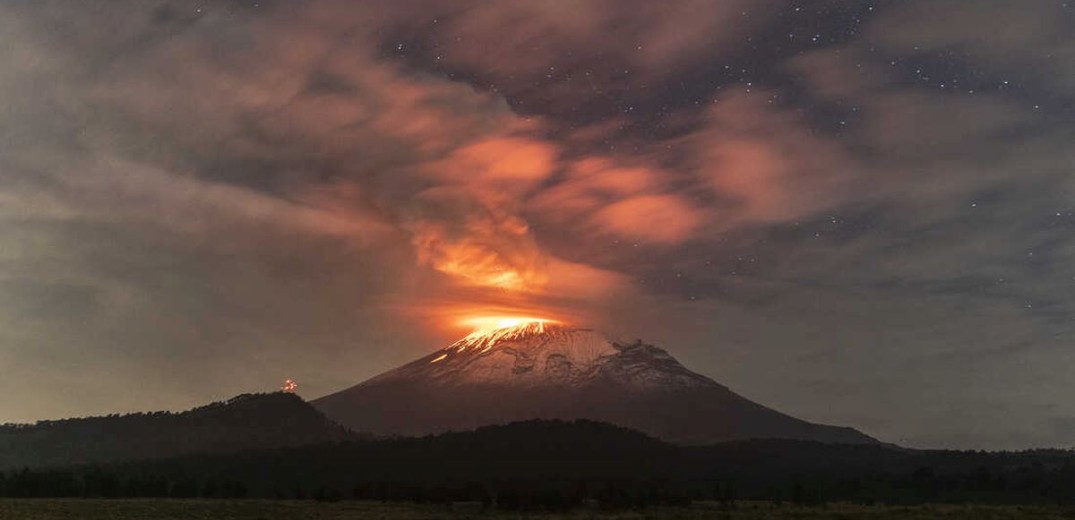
[247, 421]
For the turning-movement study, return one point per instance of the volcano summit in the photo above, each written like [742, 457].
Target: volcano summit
[544, 370]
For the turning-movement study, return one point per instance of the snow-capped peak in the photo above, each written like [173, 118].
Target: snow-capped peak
[520, 369]
[544, 354]
[483, 340]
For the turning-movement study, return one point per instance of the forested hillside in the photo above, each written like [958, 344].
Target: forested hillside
[249, 421]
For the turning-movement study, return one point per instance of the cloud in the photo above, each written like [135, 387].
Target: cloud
[499, 164]
[1015, 40]
[654, 218]
[766, 165]
[565, 59]
[596, 196]
[484, 247]
[273, 119]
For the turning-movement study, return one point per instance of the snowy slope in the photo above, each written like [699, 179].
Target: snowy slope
[543, 355]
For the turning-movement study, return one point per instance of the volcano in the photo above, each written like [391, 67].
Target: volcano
[542, 370]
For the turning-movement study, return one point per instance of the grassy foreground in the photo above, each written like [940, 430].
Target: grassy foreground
[165, 509]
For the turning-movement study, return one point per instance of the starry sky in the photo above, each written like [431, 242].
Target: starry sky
[857, 212]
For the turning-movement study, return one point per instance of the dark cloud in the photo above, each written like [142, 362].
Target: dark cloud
[826, 197]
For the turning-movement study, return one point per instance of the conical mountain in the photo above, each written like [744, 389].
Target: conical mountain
[541, 370]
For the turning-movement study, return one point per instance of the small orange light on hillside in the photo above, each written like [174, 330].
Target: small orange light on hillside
[289, 386]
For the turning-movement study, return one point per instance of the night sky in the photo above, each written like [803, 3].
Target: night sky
[859, 213]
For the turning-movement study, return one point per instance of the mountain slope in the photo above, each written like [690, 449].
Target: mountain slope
[543, 371]
[244, 422]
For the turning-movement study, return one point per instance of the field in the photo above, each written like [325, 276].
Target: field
[163, 509]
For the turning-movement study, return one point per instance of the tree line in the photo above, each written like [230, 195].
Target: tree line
[557, 465]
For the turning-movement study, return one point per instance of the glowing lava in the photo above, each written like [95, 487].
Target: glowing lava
[490, 330]
[489, 323]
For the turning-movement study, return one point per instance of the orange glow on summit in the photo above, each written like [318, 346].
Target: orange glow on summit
[491, 330]
[489, 323]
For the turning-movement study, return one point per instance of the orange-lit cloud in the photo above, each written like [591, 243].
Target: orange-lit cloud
[502, 162]
[484, 252]
[523, 39]
[469, 226]
[765, 165]
[633, 202]
[662, 219]
[574, 293]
